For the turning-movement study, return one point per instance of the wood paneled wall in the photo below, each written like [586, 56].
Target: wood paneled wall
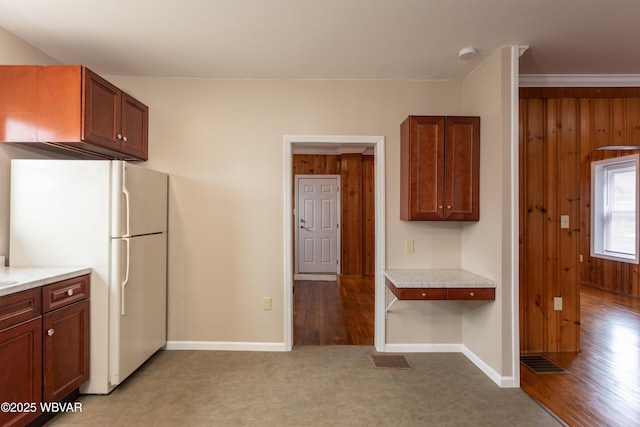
[549, 187]
[357, 203]
[560, 128]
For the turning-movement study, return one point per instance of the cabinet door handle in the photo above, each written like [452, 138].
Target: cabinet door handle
[124, 138]
[50, 332]
[448, 206]
[440, 207]
[473, 294]
[70, 292]
[119, 136]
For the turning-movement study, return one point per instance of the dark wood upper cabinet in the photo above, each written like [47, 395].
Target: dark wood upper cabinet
[439, 166]
[70, 107]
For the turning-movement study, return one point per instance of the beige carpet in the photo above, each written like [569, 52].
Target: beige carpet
[310, 386]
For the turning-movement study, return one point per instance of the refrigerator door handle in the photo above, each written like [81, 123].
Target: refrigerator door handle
[126, 275]
[125, 191]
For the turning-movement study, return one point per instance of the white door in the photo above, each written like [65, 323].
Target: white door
[317, 224]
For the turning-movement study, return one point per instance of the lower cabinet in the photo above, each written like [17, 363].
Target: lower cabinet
[21, 372]
[65, 350]
[44, 348]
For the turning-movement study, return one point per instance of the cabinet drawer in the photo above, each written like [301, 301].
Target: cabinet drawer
[18, 308]
[420, 294]
[64, 293]
[471, 294]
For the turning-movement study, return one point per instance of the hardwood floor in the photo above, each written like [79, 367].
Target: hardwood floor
[603, 386]
[334, 313]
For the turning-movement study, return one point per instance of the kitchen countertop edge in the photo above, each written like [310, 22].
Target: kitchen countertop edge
[18, 279]
[436, 278]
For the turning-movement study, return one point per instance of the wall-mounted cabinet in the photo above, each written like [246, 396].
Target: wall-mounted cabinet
[439, 166]
[70, 107]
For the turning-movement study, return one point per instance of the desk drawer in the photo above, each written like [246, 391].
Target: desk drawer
[422, 294]
[471, 294]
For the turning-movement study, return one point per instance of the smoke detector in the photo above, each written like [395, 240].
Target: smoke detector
[467, 53]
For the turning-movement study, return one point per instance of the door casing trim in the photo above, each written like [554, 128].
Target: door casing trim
[337, 141]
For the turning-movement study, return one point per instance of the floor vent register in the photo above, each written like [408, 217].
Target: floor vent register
[541, 365]
[391, 361]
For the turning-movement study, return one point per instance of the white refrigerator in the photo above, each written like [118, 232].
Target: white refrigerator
[110, 216]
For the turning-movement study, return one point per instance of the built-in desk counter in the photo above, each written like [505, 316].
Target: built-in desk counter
[438, 284]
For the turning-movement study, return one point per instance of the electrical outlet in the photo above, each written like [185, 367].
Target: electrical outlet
[564, 221]
[266, 303]
[557, 303]
[408, 246]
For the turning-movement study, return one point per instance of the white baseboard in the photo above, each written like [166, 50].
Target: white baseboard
[503, 382]
[423, 348]
[316, 277]
[225, 346]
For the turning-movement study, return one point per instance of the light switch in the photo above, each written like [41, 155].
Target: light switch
[564, 221]
[557, 303]
[266, 303]
[408, 246]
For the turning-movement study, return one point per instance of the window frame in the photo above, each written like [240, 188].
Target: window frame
[600, 187]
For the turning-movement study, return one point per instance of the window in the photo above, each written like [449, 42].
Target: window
[614, 201]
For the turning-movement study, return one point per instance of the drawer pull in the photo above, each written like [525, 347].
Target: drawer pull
[70, 292]
[50, 332]
[473, 294]
[424, 294]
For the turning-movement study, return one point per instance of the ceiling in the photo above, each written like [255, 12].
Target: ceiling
[328, 39]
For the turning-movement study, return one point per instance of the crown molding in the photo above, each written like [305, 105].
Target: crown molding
[579, 80]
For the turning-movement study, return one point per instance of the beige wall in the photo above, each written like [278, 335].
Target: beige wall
[221, 141]
[487, 246]
[14, 51]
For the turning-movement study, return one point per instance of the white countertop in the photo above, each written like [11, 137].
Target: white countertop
[436, 278]
[16, 279]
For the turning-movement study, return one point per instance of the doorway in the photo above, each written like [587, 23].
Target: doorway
[344, 145]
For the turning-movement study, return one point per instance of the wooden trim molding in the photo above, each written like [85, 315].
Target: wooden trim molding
[579, 80]
[579, 92]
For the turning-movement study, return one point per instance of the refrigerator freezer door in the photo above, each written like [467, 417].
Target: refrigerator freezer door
[138, 320]
[139, 200]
